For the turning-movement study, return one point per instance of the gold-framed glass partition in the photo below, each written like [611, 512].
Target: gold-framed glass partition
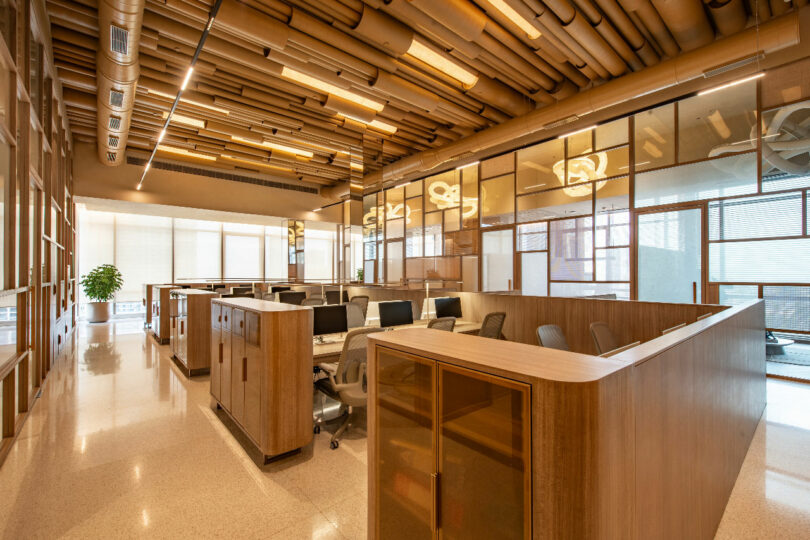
[576, 206]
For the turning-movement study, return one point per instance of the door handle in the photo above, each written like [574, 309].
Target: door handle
[694, 292]
[182, 327]
[220, 352]
[219, 318]
[434, 496]
[241, 324]
[173, 320]
[244, 368]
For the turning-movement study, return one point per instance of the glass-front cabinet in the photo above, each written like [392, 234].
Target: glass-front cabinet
[452, 451]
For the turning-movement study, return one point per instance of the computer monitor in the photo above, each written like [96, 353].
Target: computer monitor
[333, 296]
[292, 297]
[329, 320]
[278, 288]
[396, 313]
[448, 307]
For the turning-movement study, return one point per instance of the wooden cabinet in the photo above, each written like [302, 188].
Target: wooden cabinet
[191, 330]
[161, 320]
[452, 451]
[263, 372]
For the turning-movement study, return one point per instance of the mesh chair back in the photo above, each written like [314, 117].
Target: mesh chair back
[443, 323]
[312, 302]
[492, 327]
[354, 316]
[361, 301]
[353, 354]
[551, 336]
[603, 338]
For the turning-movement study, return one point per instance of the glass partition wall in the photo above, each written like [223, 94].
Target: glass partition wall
[703, 199]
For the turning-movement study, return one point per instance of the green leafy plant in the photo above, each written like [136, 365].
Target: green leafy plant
[102, 282]
[359, 274]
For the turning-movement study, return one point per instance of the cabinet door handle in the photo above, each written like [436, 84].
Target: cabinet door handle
[434, 495]
[173, 322]
[226, 318]
[220, 351]
[182, 327]
[241, 324]
[244, 368]
[219, 318]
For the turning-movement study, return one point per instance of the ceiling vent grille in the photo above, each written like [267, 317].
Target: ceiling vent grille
[116, 98]
[115, 123]
[131, 160]
[111, 157]
[119, 39]
[112, 142]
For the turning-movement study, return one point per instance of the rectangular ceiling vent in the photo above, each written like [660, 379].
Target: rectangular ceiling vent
[735, 64]
[115, 123]
[561, 122]
[112, 142]
[111, 157]
[119, 39]
[198, 171]
[116, 98]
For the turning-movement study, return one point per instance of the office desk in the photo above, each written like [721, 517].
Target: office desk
[330, 352]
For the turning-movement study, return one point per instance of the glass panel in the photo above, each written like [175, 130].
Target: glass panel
[5, 164]
[497, 259]
[452, 220]
[394, 198]
[724, 177]
[413, 189]
[756, 217]
[484, 458]
[469, 210]
[731, 295]
[613, 264]
[320, 240]
[535, 166]
[556, 203]
[275, 248]
[433, 234]
[655, 138]
[787, 308]
[716, 123]
[442, 191]
[368, 271]
[760, 261]
[393, 262]
[571, 249]
[405, 452]
[143, 253]
[580, 143]
[395, 228]
[498, 201]
[197, 249]
[534, 273]
[613, 229]
[533, 237]
[783, 168]
[669, 256]
[621, 290]
[96, 237]
[612, 134]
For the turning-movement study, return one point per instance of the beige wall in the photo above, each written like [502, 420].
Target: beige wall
[92, 179]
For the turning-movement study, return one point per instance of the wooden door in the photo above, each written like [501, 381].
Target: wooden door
[238, 366]
[253, 373]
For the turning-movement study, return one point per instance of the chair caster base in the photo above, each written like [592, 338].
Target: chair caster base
[316, 430]
[334, 444]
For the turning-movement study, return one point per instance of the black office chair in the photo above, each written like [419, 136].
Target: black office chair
[552, 337]
[492, 327]
[443, 323]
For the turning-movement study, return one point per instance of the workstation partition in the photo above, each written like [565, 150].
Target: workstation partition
[471, 437]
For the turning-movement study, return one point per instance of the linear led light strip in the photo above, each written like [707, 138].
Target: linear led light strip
[186, 80]
[732, 83]
[437, 60]
[510, 13]
[329, 88]
[274, 146]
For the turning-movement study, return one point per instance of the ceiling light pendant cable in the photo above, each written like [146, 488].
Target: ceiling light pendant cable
[186, 80]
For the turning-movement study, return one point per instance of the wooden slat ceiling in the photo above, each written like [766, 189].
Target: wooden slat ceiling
[509, 68]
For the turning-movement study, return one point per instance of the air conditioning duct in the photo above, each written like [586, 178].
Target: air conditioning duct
[119, 23]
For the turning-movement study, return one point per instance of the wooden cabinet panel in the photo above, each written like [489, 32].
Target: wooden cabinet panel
[238, 325]
[225, 376]
[253, 405]
[252, 331]
[216, 363]
[227, 315]
[238, 361]
[216, 315]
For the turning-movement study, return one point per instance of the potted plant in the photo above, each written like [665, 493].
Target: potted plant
[100, 285]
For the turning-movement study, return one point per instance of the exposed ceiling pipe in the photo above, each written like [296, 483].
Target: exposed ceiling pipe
[773, 36]
[119, 23]
[729, 16]
[651, 20]
[687, 21]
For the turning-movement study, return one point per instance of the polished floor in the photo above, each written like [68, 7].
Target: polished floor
[122, 445]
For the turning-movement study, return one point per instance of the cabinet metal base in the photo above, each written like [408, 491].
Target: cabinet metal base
[162, 341]
[189, 372]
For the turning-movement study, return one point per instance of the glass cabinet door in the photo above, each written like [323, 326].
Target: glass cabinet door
[484, 456]
[406, 461]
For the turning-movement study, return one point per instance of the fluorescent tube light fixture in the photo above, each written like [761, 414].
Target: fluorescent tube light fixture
[184, 152]
[382, 126]
[330, 88]
[510, 13]
[441, 62]
[273, 146]
[189, 73]
[185, 120]
[732, 83]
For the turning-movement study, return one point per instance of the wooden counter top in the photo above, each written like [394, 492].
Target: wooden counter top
[505, 358]
[262, 306]
[193, 292]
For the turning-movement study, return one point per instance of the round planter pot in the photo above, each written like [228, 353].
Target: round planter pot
[98, 312]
